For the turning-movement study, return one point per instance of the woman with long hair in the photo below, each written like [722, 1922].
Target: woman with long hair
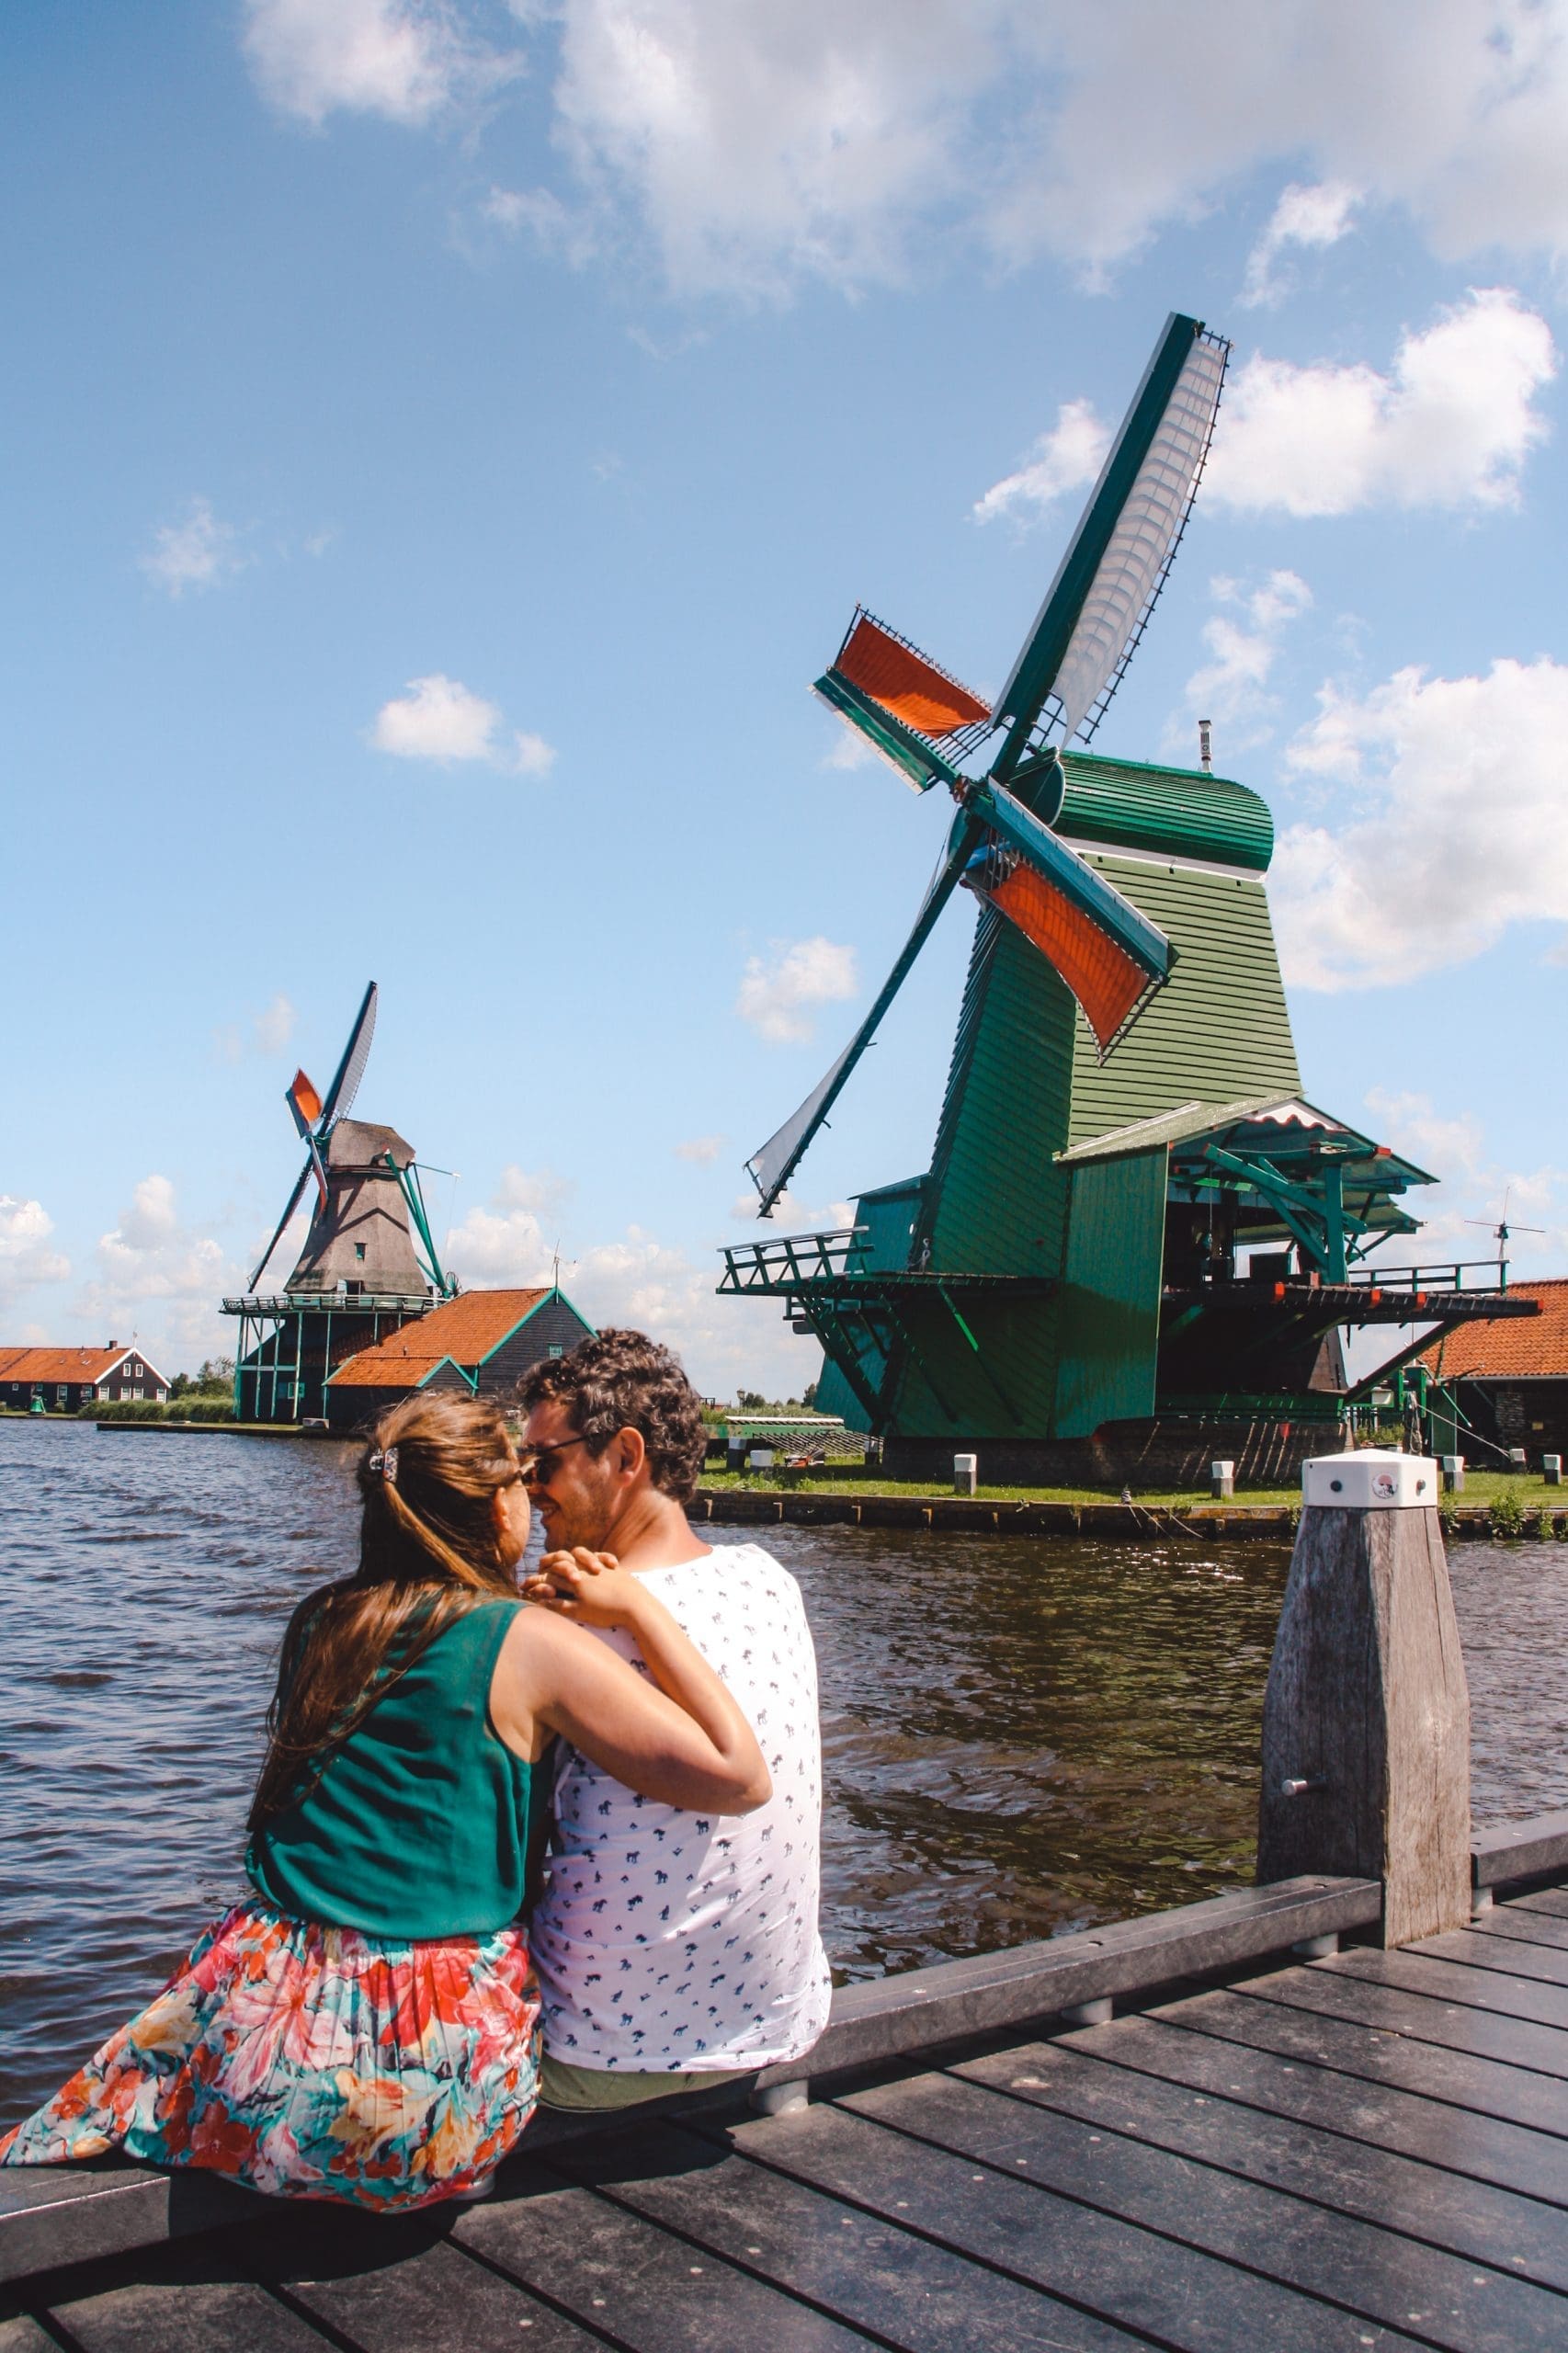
[364, 2025]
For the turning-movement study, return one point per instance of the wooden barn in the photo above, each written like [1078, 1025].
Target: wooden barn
[480, 1342]
[61, 1380]
[1509, 1381]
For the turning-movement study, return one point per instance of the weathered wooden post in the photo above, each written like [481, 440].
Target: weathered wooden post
[1366, 1724]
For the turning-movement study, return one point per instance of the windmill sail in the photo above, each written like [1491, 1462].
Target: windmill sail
[351, 1069]
[1118, 557]
[771, 1167]
[1108, 953]
[294, 1199]
[912, 714]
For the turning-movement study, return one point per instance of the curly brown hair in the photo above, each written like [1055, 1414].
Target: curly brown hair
[621, 1380]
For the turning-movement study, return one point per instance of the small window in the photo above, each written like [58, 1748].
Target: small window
[358, 1249]
[555, 1349]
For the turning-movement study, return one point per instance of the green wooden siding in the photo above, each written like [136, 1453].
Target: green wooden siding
[1179, 810]
[889, 1217]
[996, 1201]
[1218, 1030]
[1109, 1316]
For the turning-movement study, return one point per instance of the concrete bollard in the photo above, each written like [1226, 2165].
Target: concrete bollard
[1365, 1721]
[735, 1454]
[1518, 1458]
[966, 1474]
[1552, 1470]
[1453, 1474]
[1221, 1480]
[760, 1457]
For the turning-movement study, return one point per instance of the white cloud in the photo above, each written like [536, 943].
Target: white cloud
[195, 553]
[637, 1280]
[1067, 458]
[1244, 639]
[1459, 1213]
[25, 1255]
[407, 61]
[756, 148]
[1310, 216]
[778, 996]
[1450, 424]
[270, 1031]
[1459, 830]
[701, 1151]
[792, 1213]
[439, 719]
[157, 1275]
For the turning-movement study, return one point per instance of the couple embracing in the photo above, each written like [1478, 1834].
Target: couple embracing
[561, 1847]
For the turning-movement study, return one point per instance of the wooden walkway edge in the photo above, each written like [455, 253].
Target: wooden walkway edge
[1365, 2148]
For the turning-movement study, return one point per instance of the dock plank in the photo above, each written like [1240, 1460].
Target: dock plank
[1408, 2125]
[1457, 2212]
[913, 2293]
[440, 2296]
[1452, 1980]
[1363, 2267]
[22, 2334]
[1422, 2016]
[645, 2289]
[191, 2316]
[1376, 2055]
[1178, 2294]
[1482, 1949]
[1523, 1928]
[1553, 1901]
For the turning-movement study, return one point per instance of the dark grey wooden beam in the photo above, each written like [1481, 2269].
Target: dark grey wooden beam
[1520, 1850]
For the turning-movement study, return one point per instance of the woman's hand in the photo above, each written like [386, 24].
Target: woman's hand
[592, 1587]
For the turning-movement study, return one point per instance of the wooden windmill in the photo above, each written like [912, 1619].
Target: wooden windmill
[1123, 1111]
[368, 1264]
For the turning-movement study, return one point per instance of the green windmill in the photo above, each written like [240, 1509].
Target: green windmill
[1130, 1222]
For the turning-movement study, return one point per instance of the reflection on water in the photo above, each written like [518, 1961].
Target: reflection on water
[1022, 1735]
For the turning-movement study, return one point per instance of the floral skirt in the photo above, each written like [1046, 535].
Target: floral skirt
[314, 2062]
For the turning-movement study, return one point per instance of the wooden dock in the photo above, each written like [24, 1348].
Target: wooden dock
[1260, 2153]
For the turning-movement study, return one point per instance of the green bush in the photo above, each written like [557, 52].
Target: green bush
[1508, 1513]
[147, 1409]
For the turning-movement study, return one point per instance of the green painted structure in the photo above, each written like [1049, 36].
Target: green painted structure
[1130, 1214]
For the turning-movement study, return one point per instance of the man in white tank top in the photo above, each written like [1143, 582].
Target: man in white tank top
[672, 1948]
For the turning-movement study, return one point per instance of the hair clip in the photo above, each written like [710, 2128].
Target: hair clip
[384, 1460]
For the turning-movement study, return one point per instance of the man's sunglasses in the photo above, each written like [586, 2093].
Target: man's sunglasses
[536, 1464]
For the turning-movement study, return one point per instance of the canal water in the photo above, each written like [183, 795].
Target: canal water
[1022, 1735]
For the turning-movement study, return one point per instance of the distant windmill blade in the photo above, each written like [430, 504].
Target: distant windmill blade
[1118, 557]
[304, 1102]
[294, 1199]
[1105, 949]
[351, 1069]
[771, 1167]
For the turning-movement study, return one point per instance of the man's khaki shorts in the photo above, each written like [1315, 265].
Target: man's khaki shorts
[560, 2086]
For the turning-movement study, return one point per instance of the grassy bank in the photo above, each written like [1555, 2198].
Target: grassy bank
[1495, 1491]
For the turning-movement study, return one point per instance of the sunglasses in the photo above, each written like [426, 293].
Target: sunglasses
[537, 1465]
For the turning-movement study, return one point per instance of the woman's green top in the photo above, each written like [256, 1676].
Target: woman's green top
[419, 1824]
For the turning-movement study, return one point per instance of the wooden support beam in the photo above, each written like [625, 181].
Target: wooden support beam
[1365, 1727]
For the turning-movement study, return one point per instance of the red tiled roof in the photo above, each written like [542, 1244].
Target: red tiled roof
[1530, 1348]
[66, 1364]
[466, 1329]
[372, 1369]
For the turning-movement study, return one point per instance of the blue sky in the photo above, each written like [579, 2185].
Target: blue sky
[446, 441]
